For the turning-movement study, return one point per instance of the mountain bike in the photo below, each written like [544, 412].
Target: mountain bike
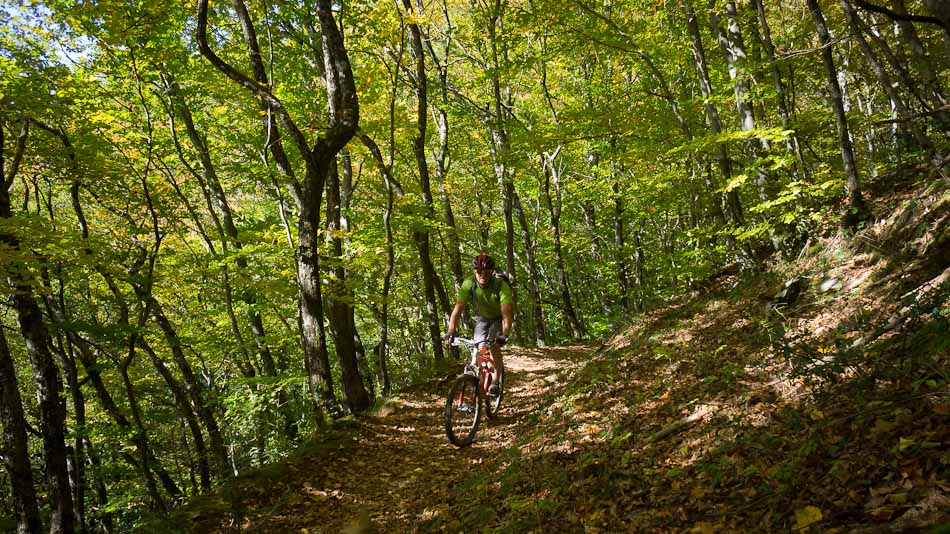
[469, 391]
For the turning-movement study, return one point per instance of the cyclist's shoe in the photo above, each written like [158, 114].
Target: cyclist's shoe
[494, 390]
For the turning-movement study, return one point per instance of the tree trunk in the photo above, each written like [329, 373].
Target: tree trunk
[911, 41]
[441, 168]
[623, 278]
[941, 10]
[103, 518]
[181, 400]
[793, 144]
[858, 210]
[497, 118]
[733, 47]
[421, 235]
[884, 78]
[197, 392]
[46, 375]
[76, 459]
[392, 188]
[712, 114]
[536, 324]
[16, 457]
[341, 126]
[554, 208]
[339, 297]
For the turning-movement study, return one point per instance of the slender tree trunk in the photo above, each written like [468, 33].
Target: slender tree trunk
[223, 213]
[911, 41]
[536, 325]
[623, 278]
[181, 400]
[733, 47]
[883, 77]
[339, 309]
[102, 517]
[341, 126]
[793, 144]
[387, 282]
[272, 136]
[421, 235]
[75, 461]
[441, 166]
[640, 260]
[197, 392]
[392, 188]
[46, 375]
[274, 142]
[858, 210]
[941, 10]
[554, 208]
[712, 114]
[500, 140]
[16, 457]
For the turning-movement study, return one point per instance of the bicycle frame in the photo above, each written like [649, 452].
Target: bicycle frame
[482, 364]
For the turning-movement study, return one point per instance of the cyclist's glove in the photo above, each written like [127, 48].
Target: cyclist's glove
[450, 337]
[501, 340]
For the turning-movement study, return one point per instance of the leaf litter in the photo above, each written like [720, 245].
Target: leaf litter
[714, 413]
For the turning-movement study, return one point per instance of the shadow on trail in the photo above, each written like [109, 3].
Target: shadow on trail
[394, 472]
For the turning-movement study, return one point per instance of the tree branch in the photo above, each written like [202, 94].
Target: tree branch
[18, 153]
[897, 16]
[244, 81]
[390, 180]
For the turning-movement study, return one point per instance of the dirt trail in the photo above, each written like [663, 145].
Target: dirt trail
[396, 471]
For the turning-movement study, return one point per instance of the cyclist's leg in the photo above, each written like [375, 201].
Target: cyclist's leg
[499, 365]
[490, 329]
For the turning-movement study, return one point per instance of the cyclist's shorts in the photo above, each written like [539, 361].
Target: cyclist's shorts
[487, 328]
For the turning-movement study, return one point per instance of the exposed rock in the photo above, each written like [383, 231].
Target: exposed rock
[790, 293]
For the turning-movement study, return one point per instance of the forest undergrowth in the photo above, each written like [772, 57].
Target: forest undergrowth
[825, 408]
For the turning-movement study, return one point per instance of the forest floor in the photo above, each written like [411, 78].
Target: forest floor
[726, 410]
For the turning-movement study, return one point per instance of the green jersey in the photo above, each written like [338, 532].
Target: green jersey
[488, 301]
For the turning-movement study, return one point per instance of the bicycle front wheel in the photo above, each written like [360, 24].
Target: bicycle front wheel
[463, 411]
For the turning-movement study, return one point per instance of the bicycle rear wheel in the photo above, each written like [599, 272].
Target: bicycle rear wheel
[463, 411]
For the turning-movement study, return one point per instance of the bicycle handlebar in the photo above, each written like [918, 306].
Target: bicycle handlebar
[469, 342]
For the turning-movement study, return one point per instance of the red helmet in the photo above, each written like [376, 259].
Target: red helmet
[483, 262]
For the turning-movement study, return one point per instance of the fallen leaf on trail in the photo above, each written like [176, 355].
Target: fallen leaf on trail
[807, 516]
[704, 528]
[881, 426]
[898, 498]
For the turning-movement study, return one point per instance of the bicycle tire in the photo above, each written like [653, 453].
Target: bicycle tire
[463, 410]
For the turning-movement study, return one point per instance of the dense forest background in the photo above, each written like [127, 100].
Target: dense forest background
[223, 225]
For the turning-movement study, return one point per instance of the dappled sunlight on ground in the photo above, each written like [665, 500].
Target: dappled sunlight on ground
[398, 468]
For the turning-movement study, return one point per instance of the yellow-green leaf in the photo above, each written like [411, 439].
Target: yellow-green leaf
[808, 515]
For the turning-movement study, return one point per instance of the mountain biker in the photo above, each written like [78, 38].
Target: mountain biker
[493, 307]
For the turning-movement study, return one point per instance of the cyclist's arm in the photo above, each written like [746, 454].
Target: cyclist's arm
[506, 318]
[507, 308]
[454, 319]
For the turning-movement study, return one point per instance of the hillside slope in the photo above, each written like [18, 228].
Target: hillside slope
[732, 409]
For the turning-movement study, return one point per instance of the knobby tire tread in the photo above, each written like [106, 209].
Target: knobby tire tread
[457, 385]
